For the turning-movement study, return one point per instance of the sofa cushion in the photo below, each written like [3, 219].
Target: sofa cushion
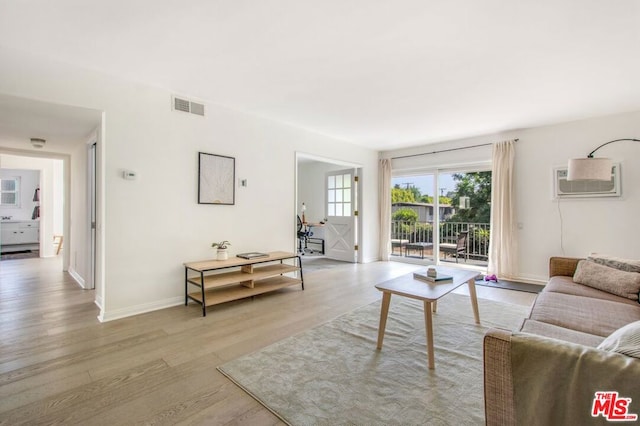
[622, 283]
[560, 333]
[562, 284]
[625, 340]
[585, 314]
[628, 265]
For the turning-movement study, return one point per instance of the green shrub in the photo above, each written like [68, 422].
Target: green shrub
[405, 215]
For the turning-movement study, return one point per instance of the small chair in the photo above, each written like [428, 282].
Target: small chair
[57, 240]
[460, 248]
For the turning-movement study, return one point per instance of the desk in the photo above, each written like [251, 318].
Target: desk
[314, 240]
[429, 293]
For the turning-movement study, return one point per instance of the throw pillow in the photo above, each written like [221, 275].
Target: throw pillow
[625, 340]
[627, 265]
[625, 284]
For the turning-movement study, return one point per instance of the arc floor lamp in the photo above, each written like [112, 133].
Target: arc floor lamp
[592, 168]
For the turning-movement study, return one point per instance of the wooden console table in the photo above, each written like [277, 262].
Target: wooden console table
[249, 277]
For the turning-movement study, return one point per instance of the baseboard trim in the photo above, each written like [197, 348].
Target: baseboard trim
[529, 280]
[76, 276]
[98, 302]
[139, 309]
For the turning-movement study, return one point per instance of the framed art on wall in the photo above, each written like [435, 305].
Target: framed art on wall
[216, 177]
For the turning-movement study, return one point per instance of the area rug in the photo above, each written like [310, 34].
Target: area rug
[333, 374]
[316, 263]
[24, 254]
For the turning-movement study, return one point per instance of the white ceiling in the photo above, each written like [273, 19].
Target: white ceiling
[384, 74]
[63, 127]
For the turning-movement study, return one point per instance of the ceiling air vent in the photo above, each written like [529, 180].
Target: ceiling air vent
[185, 105]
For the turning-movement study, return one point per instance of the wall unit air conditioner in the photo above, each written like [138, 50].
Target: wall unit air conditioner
[562, 188]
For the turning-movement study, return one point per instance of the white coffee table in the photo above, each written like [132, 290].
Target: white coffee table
[429, 293]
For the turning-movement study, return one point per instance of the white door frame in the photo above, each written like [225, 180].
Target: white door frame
[66, 188]
[306, 156]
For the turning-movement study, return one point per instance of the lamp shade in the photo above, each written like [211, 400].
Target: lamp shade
[589, 169]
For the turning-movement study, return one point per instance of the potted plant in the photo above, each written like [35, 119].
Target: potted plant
[222, 249]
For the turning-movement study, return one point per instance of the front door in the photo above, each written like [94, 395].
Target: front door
[341, 213]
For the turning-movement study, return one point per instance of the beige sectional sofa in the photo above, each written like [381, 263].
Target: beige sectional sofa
[549, 371]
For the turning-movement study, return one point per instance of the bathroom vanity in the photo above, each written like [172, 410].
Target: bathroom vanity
[18, 235]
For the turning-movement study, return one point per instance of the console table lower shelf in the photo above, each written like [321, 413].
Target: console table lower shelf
[249, 277]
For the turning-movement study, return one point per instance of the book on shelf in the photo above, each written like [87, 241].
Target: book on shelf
[437, 279]
[252, 255]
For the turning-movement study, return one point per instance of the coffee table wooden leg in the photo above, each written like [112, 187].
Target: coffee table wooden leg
[384, 311]
[428, 325]
[434, 305]
[474, 299]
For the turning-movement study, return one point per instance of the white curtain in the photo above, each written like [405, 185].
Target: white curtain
[503, 250]
[384, 210]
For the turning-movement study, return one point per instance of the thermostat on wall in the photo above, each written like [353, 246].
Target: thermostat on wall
[129, 175]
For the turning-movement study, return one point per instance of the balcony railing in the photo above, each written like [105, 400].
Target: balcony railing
[422, 232]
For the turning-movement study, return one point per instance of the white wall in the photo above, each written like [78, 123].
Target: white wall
[58, 197]
[605, 225]
[77, 240]
[151, 225]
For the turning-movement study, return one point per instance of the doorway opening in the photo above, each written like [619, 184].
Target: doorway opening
[326, 217]
[64, 131]
[32, 206]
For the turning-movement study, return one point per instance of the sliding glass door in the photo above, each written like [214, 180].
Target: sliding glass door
[441, 216]
[413, 216]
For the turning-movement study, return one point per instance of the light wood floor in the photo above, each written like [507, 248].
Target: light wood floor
[59, 365]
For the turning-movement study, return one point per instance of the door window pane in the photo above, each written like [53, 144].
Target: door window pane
[339, 197]
[331, 182]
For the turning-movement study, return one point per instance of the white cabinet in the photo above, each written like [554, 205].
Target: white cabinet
[19, 232]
